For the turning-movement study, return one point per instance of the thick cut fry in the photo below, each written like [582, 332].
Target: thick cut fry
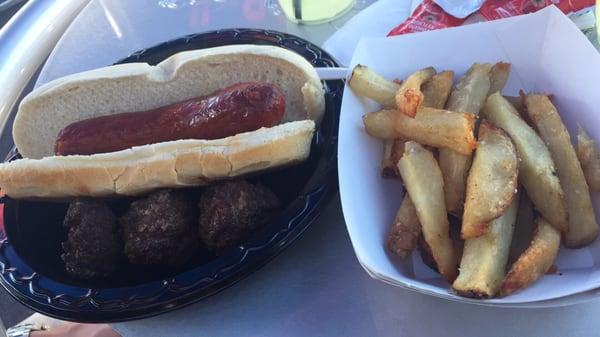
[366, 82]
[438, 128]
[423, 181]
[409, 97]
[583, 228]
[536, 167]
[483, 263]
[535, 261]
[492, 182]
[392, 152]
[437, 89]
[499, 77]
[468, 96]
[587, 152]
[406, 229]
[524, 228]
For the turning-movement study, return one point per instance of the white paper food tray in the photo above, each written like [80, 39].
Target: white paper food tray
[548, 54]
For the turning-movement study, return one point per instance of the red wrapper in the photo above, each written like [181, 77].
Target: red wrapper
[427, 16]
[498, 9]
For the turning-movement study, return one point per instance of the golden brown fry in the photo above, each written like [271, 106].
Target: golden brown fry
[536, 167]
[392, 152]
[587, 152]
[423, 181]
[583, 228]
[366, 82]
[483, 263]
[535, 261]
[406, 229]
[468, 96]
[499, 77]
[492, 181]
[409, 97]
[438, 128]
[437, 89]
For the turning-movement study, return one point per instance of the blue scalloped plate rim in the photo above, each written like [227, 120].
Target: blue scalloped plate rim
[74, 303]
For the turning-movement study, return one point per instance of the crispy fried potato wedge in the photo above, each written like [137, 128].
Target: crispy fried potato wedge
[438, 128]
[587, 152]
[366, 82]
[483, 263]
[469, 96]
[535, 261]
[524, 228]
[583, 228]
[498, 77]
[392, 152]
[537, 172]
[437, 89]
[409, 97]
[406, 229]
[492, 181]
[423, 181]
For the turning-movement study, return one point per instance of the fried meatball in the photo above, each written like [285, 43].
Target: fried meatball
[231, 210]
[93, 245]
[160, 229]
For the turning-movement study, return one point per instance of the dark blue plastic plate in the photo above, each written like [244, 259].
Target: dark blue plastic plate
[30, 265]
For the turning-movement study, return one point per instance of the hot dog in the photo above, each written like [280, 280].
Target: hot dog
[238, 108]
[197, 117]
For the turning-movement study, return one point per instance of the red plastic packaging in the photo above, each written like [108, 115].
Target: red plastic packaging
[427, 16]
[497, 9]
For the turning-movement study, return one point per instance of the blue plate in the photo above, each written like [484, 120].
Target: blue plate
[30, 265]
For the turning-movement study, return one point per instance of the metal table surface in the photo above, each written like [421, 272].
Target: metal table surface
[317, 286]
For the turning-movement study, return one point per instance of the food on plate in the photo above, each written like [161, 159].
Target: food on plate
[231, 210]
[152, 91]
[367, 83]
[93, 246]
[241, 107]
[492, 181]
[537, 172]
[392, 152]
[406, 230]
[438, 128]
[423, 181]
[160, 228]
[436, 89]
[468, 96]
[587, 152]
[409, 97]
[499, 76]
[583, 228]
[524, 228]
[535, 261]
[483, 263]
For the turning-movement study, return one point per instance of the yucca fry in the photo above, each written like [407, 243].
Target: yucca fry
[492, 181]
[483, 263]
[587, 152]
[406, 229]
[410, 97]
[498, 77]
[392, 152]
[423, 181]
[537, 172]
[535, 261]
[366, 82]
[583, 228]
[437, 89]
[524, 228]
[438, 128]
[468, 96]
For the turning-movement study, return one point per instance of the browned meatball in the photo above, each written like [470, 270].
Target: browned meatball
[93, 245]
[160, 229]
[229, 211]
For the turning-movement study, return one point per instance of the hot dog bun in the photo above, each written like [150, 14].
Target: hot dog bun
[140, 87]
[170, 164]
